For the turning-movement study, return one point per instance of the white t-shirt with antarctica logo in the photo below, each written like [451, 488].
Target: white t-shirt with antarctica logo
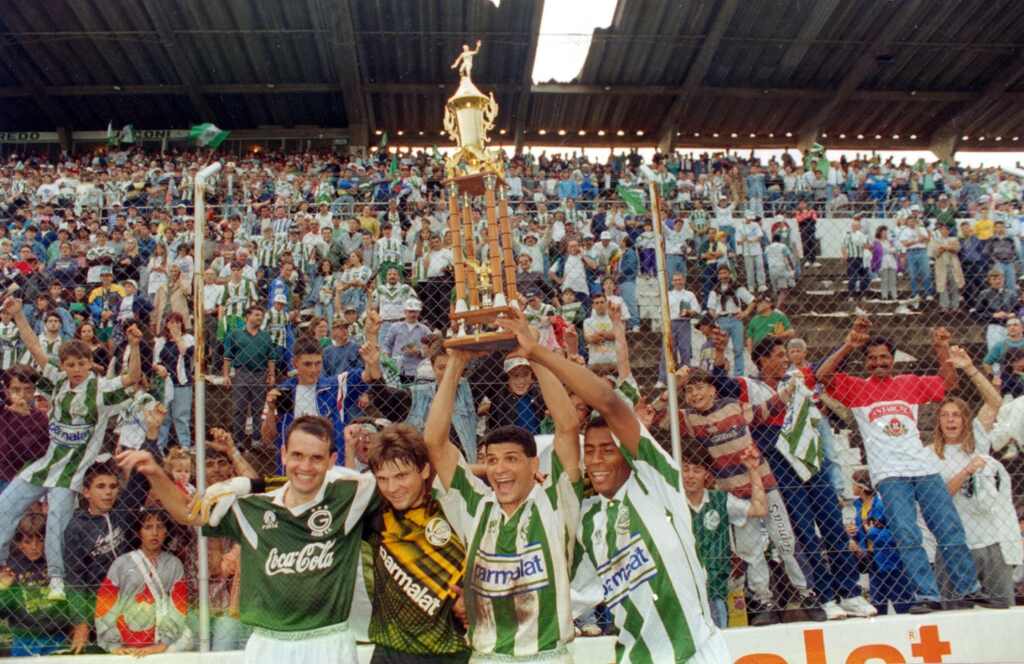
[886, 410]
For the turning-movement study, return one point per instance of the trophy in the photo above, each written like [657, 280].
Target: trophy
[484, 289]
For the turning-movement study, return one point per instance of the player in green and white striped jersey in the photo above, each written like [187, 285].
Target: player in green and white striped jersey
[635, 538]
[81, 405]
[520, 532]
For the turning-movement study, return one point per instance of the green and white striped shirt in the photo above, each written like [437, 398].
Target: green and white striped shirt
[50, 346]
[10, 343]
[517, 567]
[639, 547]
[78, 421]
[276, 325]
[268, 252]
[238, 297]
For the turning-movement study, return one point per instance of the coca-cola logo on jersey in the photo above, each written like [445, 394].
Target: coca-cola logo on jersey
[313, 557]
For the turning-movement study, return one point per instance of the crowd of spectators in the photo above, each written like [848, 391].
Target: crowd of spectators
[327, 291]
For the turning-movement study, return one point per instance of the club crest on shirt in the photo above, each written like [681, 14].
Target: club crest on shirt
[895, 428]
[712, 520]
[438, 531]
[269, 520]
[320, 521]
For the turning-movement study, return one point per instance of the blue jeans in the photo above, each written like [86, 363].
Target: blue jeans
[681, 347]
[181, 415]
[1009, 274]
[674, 263]
[15, 501]
[719, 612]
[902, 496]
[813, 508]
[917, 270]
[627, 290]
[734, 328]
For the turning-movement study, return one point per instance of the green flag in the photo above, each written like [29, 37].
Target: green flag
[383, 141]
[435, 153]
[127, 134]
[208, 135]
[393, 168]
[111, 136]
[633, 199]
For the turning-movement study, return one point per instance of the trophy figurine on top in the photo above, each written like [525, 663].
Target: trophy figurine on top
[485, 288]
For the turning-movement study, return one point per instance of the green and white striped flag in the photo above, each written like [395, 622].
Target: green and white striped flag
[633, 199]
[208, 135]
[127, 134]
[111, 136]
[383, 141]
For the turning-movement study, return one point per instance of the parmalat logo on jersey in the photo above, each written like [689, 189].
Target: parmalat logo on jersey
[500, 575]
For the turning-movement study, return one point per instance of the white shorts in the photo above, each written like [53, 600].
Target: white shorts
[334, 644]
[713, 651]
[560, 656]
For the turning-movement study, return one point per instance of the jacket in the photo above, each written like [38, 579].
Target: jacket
[334, 400]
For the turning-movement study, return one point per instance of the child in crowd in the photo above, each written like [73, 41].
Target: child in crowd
[179, 465]
[645, 243]
[873, 542]
[569, 308]
[39, 625]
[142, 602]
[712, 513]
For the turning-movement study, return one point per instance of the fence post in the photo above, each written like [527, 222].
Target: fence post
[200, 390]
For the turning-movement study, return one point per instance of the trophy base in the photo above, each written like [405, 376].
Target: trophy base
[482, 315]
[484, 341]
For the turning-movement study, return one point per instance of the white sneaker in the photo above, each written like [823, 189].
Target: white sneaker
[659, 386]
[903, 309]
[858, 607]
[833, 611]
[56, 590]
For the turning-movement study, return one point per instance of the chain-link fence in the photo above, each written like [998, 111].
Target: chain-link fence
[862, 345]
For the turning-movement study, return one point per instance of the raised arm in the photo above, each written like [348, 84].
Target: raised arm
[567, 424]
[584, 383]
[444, 456]
[855, 338]
[162, 487]
[621, 347]
[12, 305]
[959, 359]
[940, 343]
[134, 374]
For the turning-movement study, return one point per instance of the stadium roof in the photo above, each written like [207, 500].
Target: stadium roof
[707, 73]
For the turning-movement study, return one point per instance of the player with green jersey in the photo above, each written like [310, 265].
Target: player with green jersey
[635, 536]
[81, 405]
[299, 545]
[519, 532]
[418, 561]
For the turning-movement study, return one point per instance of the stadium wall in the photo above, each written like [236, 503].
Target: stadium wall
[952, 637]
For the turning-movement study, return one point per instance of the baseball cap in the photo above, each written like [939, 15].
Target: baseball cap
[280, 297]
[513, 362]
[606, 235]
[412, 304]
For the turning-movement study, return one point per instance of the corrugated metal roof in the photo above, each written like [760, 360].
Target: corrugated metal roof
[58, 57]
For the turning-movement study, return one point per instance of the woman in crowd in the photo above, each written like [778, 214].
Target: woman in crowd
[174, 353]
[156, 270]
[980, 486]
[142, 603]
[354, 281]
[129, 264]
[100, 351]
[172, 297]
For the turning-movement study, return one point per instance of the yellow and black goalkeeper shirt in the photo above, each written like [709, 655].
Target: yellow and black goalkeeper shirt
[418, 563]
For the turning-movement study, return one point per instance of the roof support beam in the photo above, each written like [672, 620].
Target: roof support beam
[946, 137]
[349, 78]
[523, 103]
[809, 31]
[179, 57]
[696, 74]
[862, 68]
